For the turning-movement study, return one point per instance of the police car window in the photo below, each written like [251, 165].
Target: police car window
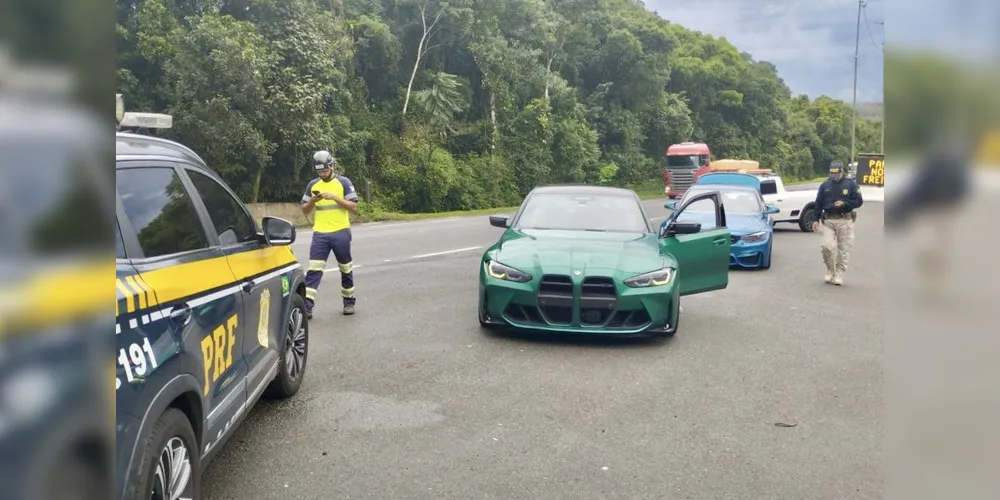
[768, 187]
[231, 222]
[119, 244]
[160, 210]
[50, 204]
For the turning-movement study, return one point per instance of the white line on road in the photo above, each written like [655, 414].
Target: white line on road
[422, 256]
[329, 269]
[446, 252]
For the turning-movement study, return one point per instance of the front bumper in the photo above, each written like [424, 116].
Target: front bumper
[744, 255]
[622, 312]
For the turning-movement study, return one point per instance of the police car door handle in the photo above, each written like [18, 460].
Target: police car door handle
[720, 241]
[248, 286]
[181, 314]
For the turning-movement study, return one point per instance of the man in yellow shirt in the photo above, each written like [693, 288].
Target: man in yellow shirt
[332, 197]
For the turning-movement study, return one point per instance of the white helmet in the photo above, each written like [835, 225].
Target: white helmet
[323, 160]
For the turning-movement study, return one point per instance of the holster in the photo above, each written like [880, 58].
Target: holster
[854, 216]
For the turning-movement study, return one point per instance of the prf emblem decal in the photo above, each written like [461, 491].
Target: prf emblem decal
[845, 191]
[284, 285]
[265, 318]
[577, 273]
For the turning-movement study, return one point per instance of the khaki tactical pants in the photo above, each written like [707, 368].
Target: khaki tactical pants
[838, 238]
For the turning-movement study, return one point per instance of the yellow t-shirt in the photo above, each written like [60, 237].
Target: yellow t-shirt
[329, 216]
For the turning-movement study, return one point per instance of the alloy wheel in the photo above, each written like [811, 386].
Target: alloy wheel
[295, 344]
[173, 472]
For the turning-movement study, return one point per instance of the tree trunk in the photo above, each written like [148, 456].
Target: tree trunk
[420, 52]
[413, 74]
[548, 77]
[255, 189]
[494, 132]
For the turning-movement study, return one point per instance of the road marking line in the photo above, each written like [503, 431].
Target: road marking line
[446, 252]
[355, 266]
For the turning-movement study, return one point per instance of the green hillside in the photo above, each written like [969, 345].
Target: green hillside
[459, 105]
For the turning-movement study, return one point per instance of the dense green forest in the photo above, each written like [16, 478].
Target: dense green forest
[459, 104]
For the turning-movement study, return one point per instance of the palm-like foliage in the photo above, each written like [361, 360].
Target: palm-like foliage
[441, 101]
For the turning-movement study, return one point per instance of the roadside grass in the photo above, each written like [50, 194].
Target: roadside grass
[805, 181]
[365, 214]
[646, 191]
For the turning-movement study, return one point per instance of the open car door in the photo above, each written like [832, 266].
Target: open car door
[697, 237]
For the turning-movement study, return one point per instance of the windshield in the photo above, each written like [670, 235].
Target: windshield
[735, 201]
[48, 200]
[686, 161]
[578, 212]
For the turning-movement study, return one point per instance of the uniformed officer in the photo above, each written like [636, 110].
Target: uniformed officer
[836, 201]
[332, 197]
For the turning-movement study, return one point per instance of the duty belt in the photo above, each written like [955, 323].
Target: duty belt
[838, 216]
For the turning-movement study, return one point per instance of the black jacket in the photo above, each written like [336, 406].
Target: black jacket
[831, 191]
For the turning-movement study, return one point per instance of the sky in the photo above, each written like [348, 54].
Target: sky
[811, 42]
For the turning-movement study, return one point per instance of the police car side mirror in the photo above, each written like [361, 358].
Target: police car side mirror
[278, 231]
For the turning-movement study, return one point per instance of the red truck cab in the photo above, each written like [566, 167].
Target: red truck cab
[685, 162]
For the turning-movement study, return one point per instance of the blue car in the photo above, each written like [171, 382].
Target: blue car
[747, 217]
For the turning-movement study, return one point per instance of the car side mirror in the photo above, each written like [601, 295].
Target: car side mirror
[771, 209]
[278, 231]
[499, 220]
[682, 228]
[672, 205]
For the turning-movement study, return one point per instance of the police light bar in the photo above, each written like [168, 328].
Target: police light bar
[146, 120]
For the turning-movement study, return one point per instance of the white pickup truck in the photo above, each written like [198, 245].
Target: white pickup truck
[794, 206]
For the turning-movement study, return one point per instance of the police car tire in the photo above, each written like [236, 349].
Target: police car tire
[282, 386]
[807, 218]
[172, 424]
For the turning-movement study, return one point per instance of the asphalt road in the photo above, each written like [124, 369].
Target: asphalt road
[409, 399]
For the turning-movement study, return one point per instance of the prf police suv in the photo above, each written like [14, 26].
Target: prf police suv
[210, 315]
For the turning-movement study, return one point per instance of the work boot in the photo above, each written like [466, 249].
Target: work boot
[348, 309]
[309, 309]
[828, 278]
[838, 280]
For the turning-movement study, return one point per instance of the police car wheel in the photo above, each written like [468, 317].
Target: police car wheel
[806, 219]
[293, 353]
[170, 465]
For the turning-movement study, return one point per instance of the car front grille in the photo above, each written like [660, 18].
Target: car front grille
[680, 180]
[598, 300]
[555, 299]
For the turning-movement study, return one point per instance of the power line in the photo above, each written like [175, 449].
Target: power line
[864, 11]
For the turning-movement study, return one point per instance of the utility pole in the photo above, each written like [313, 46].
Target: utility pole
[881, 148]
[857, 47]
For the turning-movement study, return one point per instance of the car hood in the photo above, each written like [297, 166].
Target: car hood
[537, 251]
[738, 224]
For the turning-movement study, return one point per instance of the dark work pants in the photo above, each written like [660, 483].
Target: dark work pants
[322, 244]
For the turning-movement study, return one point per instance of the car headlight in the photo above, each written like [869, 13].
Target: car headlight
[501, 272]
[656, 278]
[755, 237]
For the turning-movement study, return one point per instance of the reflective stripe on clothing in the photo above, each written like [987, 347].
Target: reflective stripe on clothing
[323, 244]
[330, 217]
